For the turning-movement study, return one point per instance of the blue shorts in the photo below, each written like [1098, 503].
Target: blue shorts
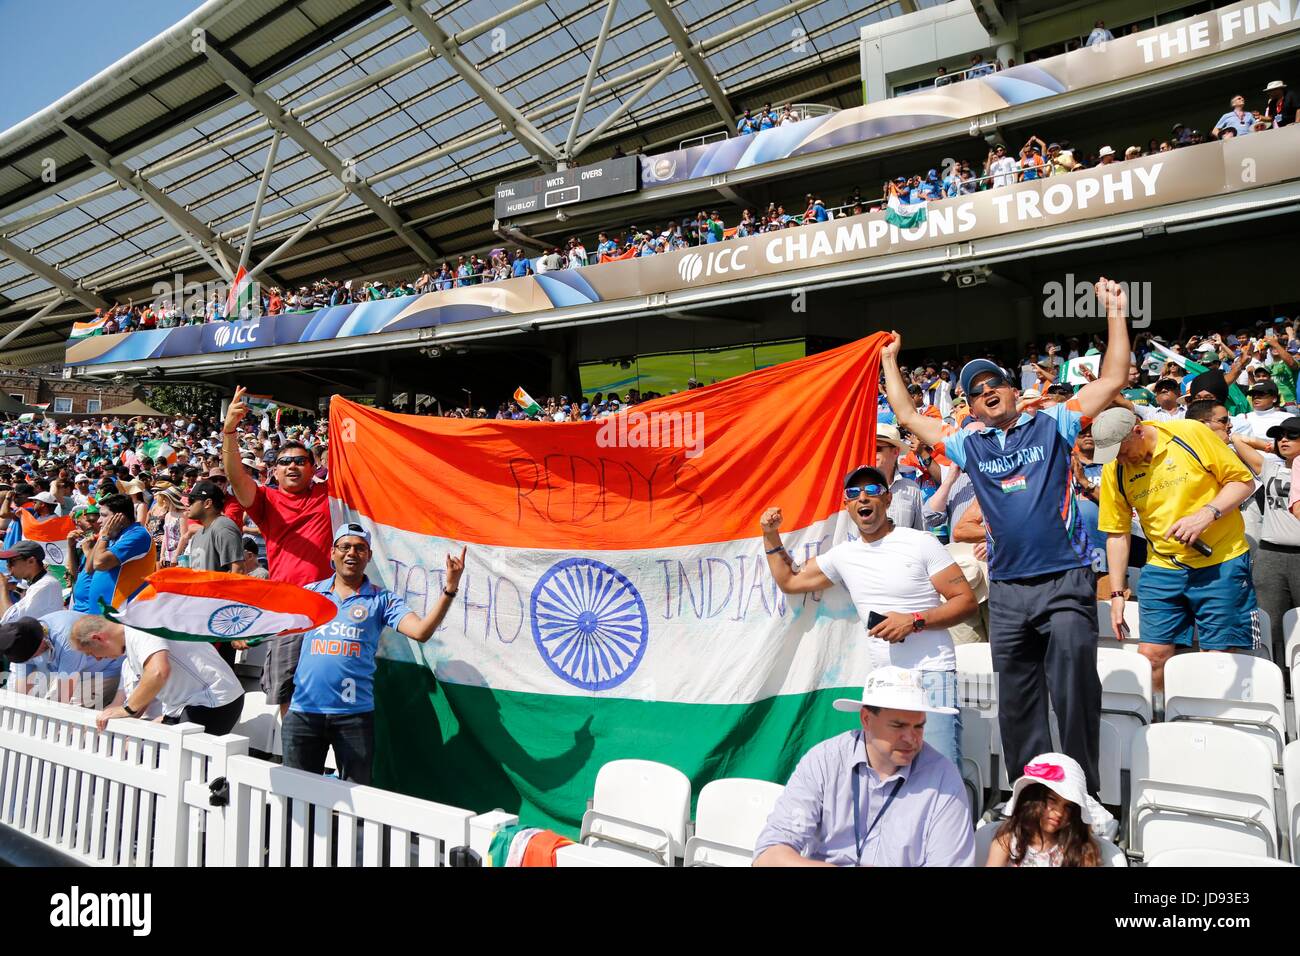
[1219, 601]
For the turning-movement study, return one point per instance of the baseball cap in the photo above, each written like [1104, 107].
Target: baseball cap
[208, 489]
[20, 639]
[1290, 425]
[865, 474]
[1167, 385]
[1263, 388]
[892, 688]
[1109, 429]
[977, 367]
[351, 529]
[24, 549]
[46, 498]
[80, 478]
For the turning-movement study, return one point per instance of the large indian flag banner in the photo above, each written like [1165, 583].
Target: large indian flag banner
[616, 601]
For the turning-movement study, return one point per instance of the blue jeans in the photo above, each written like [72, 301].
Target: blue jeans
[943, 731]
[306, 739]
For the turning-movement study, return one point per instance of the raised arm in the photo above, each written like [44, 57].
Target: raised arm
[241, 484]
[422, 628]
[929, 430]
[1096, 396]
[808, 578]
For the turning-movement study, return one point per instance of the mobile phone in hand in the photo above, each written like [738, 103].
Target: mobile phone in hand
[874, 618]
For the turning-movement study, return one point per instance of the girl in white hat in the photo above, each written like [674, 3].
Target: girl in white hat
[1050, 818]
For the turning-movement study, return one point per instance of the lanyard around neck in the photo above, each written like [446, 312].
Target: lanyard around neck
[861, 841]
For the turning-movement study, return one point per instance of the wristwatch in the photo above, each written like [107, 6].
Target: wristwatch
[1217, 513]
[129, 712]
[918, 621]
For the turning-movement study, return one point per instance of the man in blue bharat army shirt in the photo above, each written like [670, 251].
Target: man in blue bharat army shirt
[1042, 600]
[334, 685]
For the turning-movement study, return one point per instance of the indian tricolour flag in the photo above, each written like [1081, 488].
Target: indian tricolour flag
[1238, 403]
[905, 215]
[82, 330]
[241, 293]
[51, 534]
[158, 450]
[186, 605]
[525, 402]
[616, 600]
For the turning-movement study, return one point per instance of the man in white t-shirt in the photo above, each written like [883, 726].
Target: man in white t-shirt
[908, 591]
[188, 679]
[44, 593]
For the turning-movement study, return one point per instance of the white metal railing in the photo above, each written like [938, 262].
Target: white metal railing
[146, 794]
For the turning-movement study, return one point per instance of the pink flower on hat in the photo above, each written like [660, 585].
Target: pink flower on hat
[1045, 771]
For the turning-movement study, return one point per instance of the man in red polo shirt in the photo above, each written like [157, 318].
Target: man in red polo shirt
[294, 518]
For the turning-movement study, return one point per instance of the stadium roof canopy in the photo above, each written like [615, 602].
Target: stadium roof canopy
[376, 130]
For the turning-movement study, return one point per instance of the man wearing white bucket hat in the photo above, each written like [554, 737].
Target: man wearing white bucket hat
[875, 796]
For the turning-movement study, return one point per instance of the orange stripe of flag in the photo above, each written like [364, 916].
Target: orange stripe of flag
[785, 435]
[45, 529]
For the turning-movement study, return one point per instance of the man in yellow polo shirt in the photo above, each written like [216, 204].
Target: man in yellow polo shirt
[1185, 485]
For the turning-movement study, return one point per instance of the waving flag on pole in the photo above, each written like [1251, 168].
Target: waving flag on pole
[83, 330]
[181, 604]
[525, 402]
[905, 215]
[1238, 403]
[616, 600]
[240, 295]
[159, 450]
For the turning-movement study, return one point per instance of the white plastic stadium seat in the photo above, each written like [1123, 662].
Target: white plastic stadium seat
[976, 682]
[1291, 639]
[1130, 618]
[1193, 856]
[1230, 690]
[1111, 855]
[1291, 770]
[258, 721]
[1126, 695]
[729, 816]
[1201, 785]
[640, 807]
[575, 854]
[1111, 744]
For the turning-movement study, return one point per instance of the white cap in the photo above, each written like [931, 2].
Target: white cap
[1063, 776]
[889, 434]
[81, 478]
[1031, 393]
[1105, 151]
[350, 529]
[893, 688]
[46, 498]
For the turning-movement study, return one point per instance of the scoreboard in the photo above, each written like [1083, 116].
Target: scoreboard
[579, 184]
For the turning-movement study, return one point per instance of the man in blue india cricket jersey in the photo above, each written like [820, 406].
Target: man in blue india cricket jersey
[334, 685]
[1042, 600]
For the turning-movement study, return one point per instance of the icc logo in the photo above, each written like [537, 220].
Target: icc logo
[690, 267]
[231, 334]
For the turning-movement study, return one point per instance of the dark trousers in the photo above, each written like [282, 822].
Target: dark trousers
[1043, 638]
[217, 721]
[306, 738]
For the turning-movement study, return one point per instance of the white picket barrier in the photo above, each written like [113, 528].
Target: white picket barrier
[107, 798]
[146, 794]
[283, 817]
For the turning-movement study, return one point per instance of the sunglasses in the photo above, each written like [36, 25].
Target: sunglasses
[1284, 436]
[857, 491]
[1225, 420]
[997, 381]
[295, 460]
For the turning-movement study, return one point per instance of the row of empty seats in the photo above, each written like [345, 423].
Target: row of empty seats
[640, 812]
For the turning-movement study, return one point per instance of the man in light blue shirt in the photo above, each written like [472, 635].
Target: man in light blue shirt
[46, 664]
[1238, 119]
[334, 685]
[876, 796]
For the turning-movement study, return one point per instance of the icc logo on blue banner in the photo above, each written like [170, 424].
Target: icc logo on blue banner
[589, 623]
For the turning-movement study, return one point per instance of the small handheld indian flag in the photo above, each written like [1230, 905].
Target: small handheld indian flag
[52, 535]
[182, 604]
[83, 330]
[525, 402]
[241, 293]
[159, 450]
[904, 215]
